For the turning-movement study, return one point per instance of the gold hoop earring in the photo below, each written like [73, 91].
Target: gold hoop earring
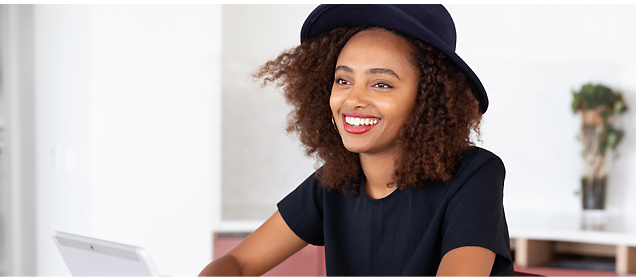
[333, 121]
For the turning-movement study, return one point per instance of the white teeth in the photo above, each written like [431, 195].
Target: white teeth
[361, 121]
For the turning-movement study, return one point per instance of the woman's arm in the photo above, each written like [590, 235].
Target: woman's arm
[265, 248]
[467, 261]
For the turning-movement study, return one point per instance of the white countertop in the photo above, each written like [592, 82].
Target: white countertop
[617, 229]
[238, 226]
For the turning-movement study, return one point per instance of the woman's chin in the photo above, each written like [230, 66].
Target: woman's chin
[354, 148]
[358, 148]
[365, 147]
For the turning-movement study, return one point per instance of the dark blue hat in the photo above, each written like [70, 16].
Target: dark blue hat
[431, 23]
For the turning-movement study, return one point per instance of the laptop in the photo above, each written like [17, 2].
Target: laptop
[86, 256]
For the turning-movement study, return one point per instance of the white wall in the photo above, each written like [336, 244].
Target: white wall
[529, 58]
[17, 171]
[261, 163]
[128, 129]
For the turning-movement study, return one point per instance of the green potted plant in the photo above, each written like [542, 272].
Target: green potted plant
[597, 104]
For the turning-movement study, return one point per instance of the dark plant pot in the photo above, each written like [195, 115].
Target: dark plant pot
[593, 193]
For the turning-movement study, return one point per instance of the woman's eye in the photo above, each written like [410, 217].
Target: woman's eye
[382, 85]
[342, 82]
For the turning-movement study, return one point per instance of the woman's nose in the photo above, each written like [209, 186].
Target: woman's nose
[357, 97]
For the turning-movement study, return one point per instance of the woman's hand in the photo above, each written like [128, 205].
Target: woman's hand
[467, 261]
[265, 248]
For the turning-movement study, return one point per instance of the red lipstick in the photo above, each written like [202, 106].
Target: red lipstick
[358, 115]
[357, 129]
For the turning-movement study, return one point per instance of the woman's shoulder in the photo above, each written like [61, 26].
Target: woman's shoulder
[478, 160]
[475, 157]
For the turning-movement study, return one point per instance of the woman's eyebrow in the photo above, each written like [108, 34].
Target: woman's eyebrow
[344, 68]
[382, 71]
[369, 71]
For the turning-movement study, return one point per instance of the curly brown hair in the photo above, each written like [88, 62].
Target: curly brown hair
[430, 145]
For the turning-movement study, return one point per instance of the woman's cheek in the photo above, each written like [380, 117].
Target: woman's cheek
[336, 100]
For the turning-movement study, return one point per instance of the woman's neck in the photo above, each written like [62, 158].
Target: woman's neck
[378, 170]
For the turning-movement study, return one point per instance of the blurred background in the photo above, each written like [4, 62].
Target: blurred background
[140, 124]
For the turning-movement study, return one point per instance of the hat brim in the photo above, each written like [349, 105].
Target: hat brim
[328, 17]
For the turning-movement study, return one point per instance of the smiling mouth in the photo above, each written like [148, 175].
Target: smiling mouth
[360, 121]
[355, 125]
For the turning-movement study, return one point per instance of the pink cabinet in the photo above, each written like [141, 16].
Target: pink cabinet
[310, 261]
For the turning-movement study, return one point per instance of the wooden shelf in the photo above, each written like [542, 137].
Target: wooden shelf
[550, 271]
[537, 236]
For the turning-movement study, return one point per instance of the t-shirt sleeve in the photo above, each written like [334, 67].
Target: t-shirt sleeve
[475, 214]
[302, 211]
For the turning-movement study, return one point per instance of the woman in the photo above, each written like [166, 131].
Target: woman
[380, 97]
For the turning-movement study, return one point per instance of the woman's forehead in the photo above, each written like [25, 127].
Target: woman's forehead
[376, 48]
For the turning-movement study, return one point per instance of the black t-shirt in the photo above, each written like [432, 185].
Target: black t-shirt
[409, 231]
